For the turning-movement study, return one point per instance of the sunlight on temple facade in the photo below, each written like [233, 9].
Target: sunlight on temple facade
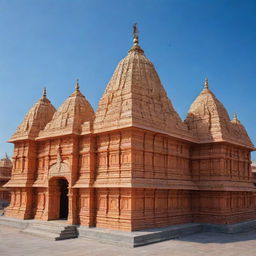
[133, 164]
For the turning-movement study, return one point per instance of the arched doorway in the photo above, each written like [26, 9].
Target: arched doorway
[58, 198]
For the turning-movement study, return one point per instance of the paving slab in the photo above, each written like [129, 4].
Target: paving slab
[122, 238]
[15, 243]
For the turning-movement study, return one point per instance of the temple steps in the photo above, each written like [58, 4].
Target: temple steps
[55, 230]
[60, 230]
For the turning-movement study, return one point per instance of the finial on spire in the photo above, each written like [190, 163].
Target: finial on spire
[77, 85]
[135, 34]
[44, 92]
[206, 86]
[235, 119]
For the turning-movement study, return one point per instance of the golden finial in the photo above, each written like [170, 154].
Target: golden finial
[235, 119]
[77, 85]
[44, 93]
[206, 86]
[135, 34]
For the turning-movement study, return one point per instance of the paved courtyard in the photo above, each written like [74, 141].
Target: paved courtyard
[14, 243]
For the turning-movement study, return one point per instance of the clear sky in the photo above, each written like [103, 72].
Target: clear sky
[53, 42]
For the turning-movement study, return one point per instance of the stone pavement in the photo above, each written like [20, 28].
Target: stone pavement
[12, 242]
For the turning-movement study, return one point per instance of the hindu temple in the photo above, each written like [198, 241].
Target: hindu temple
[134, 163]
[5, 175]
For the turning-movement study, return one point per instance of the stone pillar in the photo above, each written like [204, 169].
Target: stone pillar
[72, 206]
[26, 209]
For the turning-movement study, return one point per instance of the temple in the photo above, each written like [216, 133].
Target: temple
[133, 164]
[5, 175]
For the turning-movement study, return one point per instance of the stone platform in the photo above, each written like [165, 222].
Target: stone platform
[52, 229]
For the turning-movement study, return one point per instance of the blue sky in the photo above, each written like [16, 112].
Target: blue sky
[53, 42]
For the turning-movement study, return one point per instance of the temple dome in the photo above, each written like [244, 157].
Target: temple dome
[135, 97]
[68, 119]
[208, 120]
[35, 120]
[6, 162]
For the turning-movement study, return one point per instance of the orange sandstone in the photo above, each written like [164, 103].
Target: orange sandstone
[5, 175]
[134, 164]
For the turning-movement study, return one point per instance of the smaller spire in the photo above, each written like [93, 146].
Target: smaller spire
[235, 116]
[44, 92]
[6, 156]
[77, 85]
[235, 119]
[77, 89]
[206, 86]
[44, 96]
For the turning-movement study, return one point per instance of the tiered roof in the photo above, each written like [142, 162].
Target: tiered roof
[135, 97]
[35, 120]
[74, 111]
[208, 120]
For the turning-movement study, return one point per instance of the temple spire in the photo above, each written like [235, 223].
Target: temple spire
[77, 85]
[206, 86]
[44, 93]
[235, 119]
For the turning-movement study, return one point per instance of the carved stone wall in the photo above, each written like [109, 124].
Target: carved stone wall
[132, 179]
[221, 166]
[114, 208]
[223, 207]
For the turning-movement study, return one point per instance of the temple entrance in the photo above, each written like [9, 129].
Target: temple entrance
[58, 199]
[63, 185]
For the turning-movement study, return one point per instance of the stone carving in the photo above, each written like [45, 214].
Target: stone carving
[59, 168]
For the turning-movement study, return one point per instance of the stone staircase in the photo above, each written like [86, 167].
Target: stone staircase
[53, 229]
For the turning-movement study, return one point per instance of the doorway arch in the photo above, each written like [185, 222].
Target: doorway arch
[58, 198]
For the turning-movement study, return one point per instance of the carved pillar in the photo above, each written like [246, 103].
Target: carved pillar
[26, 210]
[72, 206]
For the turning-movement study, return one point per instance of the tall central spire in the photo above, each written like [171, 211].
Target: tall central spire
[135, 97]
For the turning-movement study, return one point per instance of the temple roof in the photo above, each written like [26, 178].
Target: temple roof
[68, 119]
[209, 121]
[35, 120]
[135, 97]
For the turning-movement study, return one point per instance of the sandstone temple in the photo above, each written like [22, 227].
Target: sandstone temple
[5, 175]
[133, 164]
